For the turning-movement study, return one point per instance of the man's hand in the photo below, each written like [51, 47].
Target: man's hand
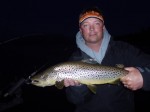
[70, 82]
[133, 80]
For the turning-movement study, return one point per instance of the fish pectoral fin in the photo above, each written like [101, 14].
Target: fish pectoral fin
[92, 88]
[59, 84]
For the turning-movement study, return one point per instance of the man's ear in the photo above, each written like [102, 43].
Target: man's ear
[103, 27]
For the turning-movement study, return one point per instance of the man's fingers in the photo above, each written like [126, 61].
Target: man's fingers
[70, 82]
[126, 80]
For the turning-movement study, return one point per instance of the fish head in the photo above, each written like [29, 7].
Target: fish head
[43, 80]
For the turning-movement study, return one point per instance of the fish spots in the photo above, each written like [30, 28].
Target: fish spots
[85, 73]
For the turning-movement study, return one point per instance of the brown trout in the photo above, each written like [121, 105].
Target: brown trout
[85, 73]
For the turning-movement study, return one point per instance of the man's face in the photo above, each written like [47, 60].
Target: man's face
[92, 30]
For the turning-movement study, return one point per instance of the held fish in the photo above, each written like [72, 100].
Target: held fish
[85, 73]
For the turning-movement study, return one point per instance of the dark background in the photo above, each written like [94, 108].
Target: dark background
[29, 17]
[35, 34]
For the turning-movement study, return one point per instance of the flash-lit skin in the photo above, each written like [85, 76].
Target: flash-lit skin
[133, 80]
[92, 31]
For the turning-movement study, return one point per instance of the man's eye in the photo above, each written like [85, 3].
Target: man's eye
[98, 24]
[85, 25]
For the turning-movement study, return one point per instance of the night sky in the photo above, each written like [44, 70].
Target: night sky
[34, 33]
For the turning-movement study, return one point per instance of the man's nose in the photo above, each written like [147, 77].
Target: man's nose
[91, 27]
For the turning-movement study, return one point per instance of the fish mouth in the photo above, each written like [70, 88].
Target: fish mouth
[32, 81]
[35, 81]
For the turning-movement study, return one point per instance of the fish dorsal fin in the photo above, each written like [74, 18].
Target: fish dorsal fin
[120, 66]
[59, 84]
[90, 61]
[92, 88]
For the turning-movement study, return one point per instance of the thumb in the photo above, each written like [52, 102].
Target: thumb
[128, 68]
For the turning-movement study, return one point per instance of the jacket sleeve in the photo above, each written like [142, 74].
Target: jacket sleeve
[142, 62]
[145, 71]
[78, 94]
[144, 67]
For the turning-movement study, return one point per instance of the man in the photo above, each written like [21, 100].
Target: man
[94, 42]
